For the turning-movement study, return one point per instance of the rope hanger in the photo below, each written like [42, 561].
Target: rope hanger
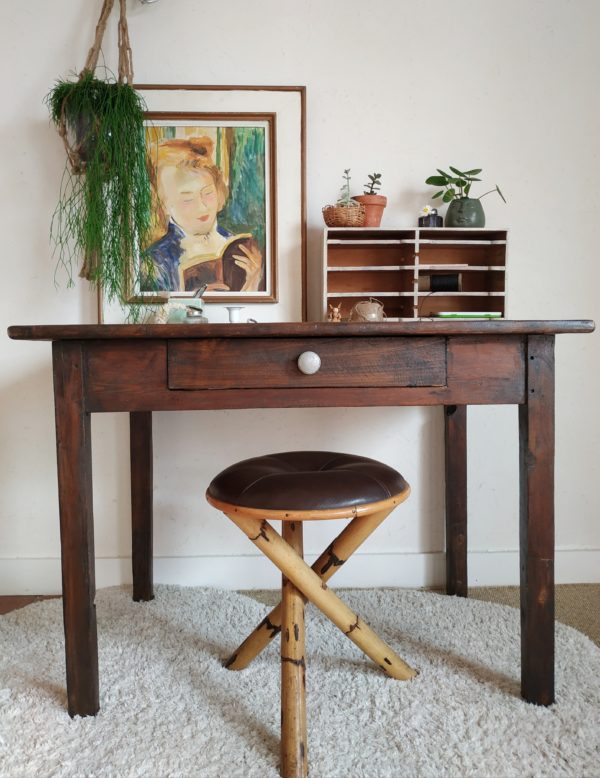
[125, 58]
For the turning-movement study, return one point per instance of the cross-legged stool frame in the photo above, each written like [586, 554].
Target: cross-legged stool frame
[299, 584]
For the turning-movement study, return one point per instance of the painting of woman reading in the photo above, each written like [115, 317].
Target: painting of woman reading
[210, 211]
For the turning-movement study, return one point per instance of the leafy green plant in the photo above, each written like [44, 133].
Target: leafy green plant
[373, 184]
[104, 208]
[345, 199]
[458, 185]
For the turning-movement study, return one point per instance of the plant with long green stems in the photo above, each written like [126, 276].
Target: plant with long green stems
[105, 203]
[461, 181]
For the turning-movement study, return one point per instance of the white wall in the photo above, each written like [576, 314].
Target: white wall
[393, 86]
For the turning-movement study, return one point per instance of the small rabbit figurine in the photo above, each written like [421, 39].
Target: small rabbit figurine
[335, 312]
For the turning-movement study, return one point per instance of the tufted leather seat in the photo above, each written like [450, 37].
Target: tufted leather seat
[306, 481]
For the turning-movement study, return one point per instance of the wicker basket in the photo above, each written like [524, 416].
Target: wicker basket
[344, 215]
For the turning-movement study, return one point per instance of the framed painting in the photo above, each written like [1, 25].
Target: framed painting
[228, 173]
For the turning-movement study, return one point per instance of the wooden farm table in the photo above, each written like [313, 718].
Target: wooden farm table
[145, 368]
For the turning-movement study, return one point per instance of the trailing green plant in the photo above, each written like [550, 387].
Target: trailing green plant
[345, 199]
[104, 208]
[458, 185]
[373, 184]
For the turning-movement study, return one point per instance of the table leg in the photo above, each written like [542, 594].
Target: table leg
[140, 443]
[455, 417]
[536, 457]
[74, 461]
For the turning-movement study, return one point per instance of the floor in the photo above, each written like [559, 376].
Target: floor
[577, 605]
[10, 602]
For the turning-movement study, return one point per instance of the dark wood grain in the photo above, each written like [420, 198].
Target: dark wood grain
[124, 368]
[273, 363]
[490, 366]
[131, 375]
[74, 459]
[456, 499]
[536, 461]
[295, 329]
[140, 446]
[138, 398]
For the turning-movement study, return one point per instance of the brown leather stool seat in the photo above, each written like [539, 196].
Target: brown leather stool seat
[294, 487]
[306, 481]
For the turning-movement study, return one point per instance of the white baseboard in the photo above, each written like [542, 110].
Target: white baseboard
[414, 570]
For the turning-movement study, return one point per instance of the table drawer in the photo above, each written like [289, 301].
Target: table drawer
[251, 363]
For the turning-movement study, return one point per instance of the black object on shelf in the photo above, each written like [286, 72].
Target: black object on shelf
[432, 219]
[440, 282]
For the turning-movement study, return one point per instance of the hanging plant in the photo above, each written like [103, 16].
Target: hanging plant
[104, 208]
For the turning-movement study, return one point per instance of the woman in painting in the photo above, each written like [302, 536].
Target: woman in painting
[195, 250]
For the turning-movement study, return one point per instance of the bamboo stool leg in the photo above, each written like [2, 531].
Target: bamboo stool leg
[339, 551]
[314, 589]
[294, 759]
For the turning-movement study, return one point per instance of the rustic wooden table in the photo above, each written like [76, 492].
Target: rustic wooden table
[145, 368]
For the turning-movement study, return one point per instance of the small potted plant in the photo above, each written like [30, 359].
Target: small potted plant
[346, 212]
[374, 203]
[463, 211]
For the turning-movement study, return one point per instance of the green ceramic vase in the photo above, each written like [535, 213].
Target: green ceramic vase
[465, 212]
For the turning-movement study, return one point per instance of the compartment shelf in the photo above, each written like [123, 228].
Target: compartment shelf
[460, 294]
[371, 242]
[430, 242]
[443, 267]
[366, 295]
[351, 268]
[389, 264]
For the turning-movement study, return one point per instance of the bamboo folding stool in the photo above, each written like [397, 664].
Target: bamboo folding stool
[292, 488]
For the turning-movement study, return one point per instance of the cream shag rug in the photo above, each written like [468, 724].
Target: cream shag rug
[169, 708]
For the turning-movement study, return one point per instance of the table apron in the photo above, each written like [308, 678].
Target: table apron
[134, 376]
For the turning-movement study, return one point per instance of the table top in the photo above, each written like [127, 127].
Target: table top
[297, 329]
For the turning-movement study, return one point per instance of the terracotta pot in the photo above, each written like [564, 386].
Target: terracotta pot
[374, 205]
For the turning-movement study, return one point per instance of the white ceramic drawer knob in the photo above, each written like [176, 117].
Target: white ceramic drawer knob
[309, 362]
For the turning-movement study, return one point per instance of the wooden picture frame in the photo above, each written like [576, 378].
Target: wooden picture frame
[207, 126]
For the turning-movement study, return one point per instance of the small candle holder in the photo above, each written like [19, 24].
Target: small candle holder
[234, 313]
